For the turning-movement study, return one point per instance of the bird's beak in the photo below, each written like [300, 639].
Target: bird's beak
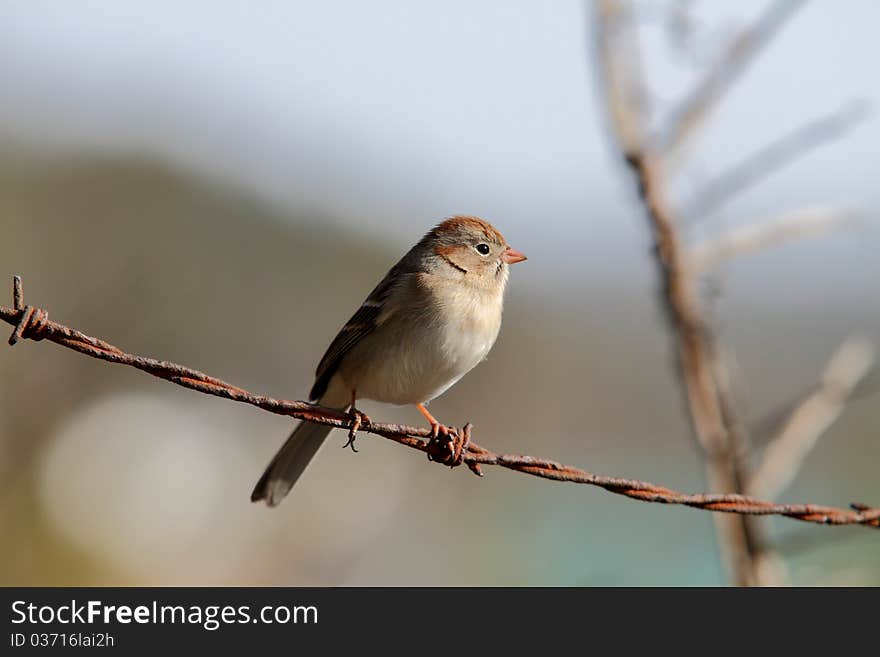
[511, 256]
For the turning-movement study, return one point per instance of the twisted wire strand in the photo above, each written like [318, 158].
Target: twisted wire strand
[33, 323]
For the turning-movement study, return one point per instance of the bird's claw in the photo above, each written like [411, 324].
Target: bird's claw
[358, 420]
[441, 447]
[448, 446]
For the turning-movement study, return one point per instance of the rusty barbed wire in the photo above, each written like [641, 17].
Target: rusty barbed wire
[33, 323]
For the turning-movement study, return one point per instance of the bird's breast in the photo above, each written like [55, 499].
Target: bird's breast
[425, 348]
[471, 325]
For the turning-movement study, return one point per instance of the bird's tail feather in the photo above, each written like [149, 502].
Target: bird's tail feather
[290, 462]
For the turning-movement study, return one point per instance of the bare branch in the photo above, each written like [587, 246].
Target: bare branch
[33, 323]
[757, 166]
[703, 369]
[784, 456]
[798, 224]
[710, 412]
[760, 561]
[742, 51]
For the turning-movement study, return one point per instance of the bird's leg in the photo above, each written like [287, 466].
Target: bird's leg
[436, 427]
[358, 419]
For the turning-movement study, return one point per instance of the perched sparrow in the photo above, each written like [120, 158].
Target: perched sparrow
[433, 317]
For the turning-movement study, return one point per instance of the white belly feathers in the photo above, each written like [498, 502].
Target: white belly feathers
[417, 354]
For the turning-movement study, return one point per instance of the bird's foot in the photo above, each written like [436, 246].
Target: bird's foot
[441, 445]
[448, 445]
[438, 429]
[358, 420]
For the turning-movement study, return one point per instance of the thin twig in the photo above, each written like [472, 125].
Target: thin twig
[742, 51]
[38, 327]
[757, 166]
[806, 222]
[681, 26]
[811, 418]
[627, 106]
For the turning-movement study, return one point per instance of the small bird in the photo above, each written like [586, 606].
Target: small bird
[432, 319]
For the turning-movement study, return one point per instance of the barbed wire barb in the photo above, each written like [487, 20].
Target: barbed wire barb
[33, 323]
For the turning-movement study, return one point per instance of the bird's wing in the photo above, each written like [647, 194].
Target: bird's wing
[372, 314]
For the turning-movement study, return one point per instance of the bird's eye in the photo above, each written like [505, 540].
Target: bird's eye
[482, 249]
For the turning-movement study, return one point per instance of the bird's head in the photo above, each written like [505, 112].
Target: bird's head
[471, 247]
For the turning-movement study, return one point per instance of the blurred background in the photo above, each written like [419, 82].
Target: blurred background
[221, 183]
